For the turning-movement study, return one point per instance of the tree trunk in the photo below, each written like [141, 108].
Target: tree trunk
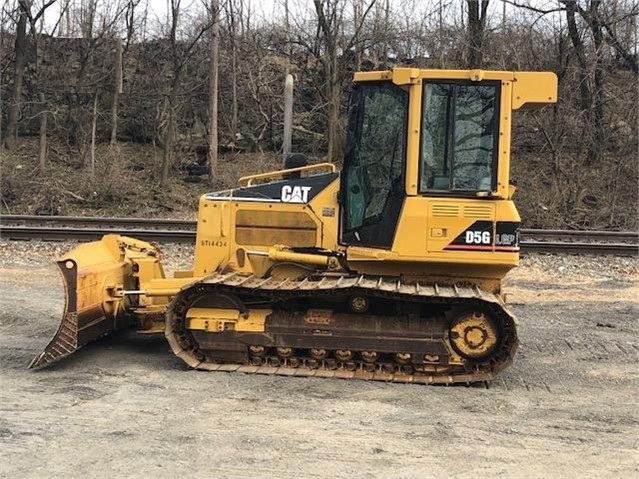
[585, 100]
[43, 134]
[169, 144]
[386, 29]
[598, 93]
[287, 26]
[234, 106]
[476, 27]
[333, 119]
[213, 89]
[440, 26]
[116, 92]
[628, 57]
[93, 127]
[18, 76]
[329, 34]
[88, 10]
[358, 8]
[67, 19]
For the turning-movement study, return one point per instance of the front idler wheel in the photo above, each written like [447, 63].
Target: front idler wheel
[474, 335]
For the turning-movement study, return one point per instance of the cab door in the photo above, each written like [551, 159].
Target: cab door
[372, 183]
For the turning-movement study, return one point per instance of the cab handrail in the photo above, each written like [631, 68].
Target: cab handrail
[273, 175]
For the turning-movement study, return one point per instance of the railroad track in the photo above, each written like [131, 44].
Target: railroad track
[62, 228]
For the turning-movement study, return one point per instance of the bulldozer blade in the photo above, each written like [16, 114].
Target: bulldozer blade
[92, 274]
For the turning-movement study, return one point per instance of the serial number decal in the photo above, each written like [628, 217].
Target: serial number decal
[214, 243]
[328, 212]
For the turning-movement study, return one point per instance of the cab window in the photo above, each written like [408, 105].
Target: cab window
[459, 137]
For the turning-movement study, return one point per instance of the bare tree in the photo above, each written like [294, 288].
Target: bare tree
[330, 23]
[182, 47]
[213, 89]
[43, 133]
[94, 121]
[477, 14]
[592, 93]
[590, 44]
[358, 10]
[233, 10]
[18, 74]
[24, 16]
[88, 9]
[116, 91]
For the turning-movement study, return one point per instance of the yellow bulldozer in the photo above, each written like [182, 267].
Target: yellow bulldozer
[389, 269]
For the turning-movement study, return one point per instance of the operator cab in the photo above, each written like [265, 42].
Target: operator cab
[429, 134]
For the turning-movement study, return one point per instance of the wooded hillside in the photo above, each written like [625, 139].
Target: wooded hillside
[106, 104]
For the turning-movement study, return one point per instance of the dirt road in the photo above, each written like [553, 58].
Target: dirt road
[124, 407]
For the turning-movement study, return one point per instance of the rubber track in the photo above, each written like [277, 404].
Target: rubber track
[389, 288]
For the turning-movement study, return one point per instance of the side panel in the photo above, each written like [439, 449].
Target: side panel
[459, 230]
[213, 240]
[448, 241]
[233, 226]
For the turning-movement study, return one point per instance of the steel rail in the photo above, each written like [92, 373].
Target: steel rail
[616, 249]
[61, 228]
[84, 221]
[89, 234]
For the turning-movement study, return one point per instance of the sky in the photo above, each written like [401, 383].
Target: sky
[267, 9]
[158, 9]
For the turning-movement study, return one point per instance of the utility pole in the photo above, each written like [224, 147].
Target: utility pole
[288, 116]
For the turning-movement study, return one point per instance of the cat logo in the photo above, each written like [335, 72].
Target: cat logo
[295, 194]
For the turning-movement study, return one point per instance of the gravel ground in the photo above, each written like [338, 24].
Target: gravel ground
[125, 406]
[175, 256]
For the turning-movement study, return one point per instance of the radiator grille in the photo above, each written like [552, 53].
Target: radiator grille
[449, 211]
[478, 211]
[267, 227]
